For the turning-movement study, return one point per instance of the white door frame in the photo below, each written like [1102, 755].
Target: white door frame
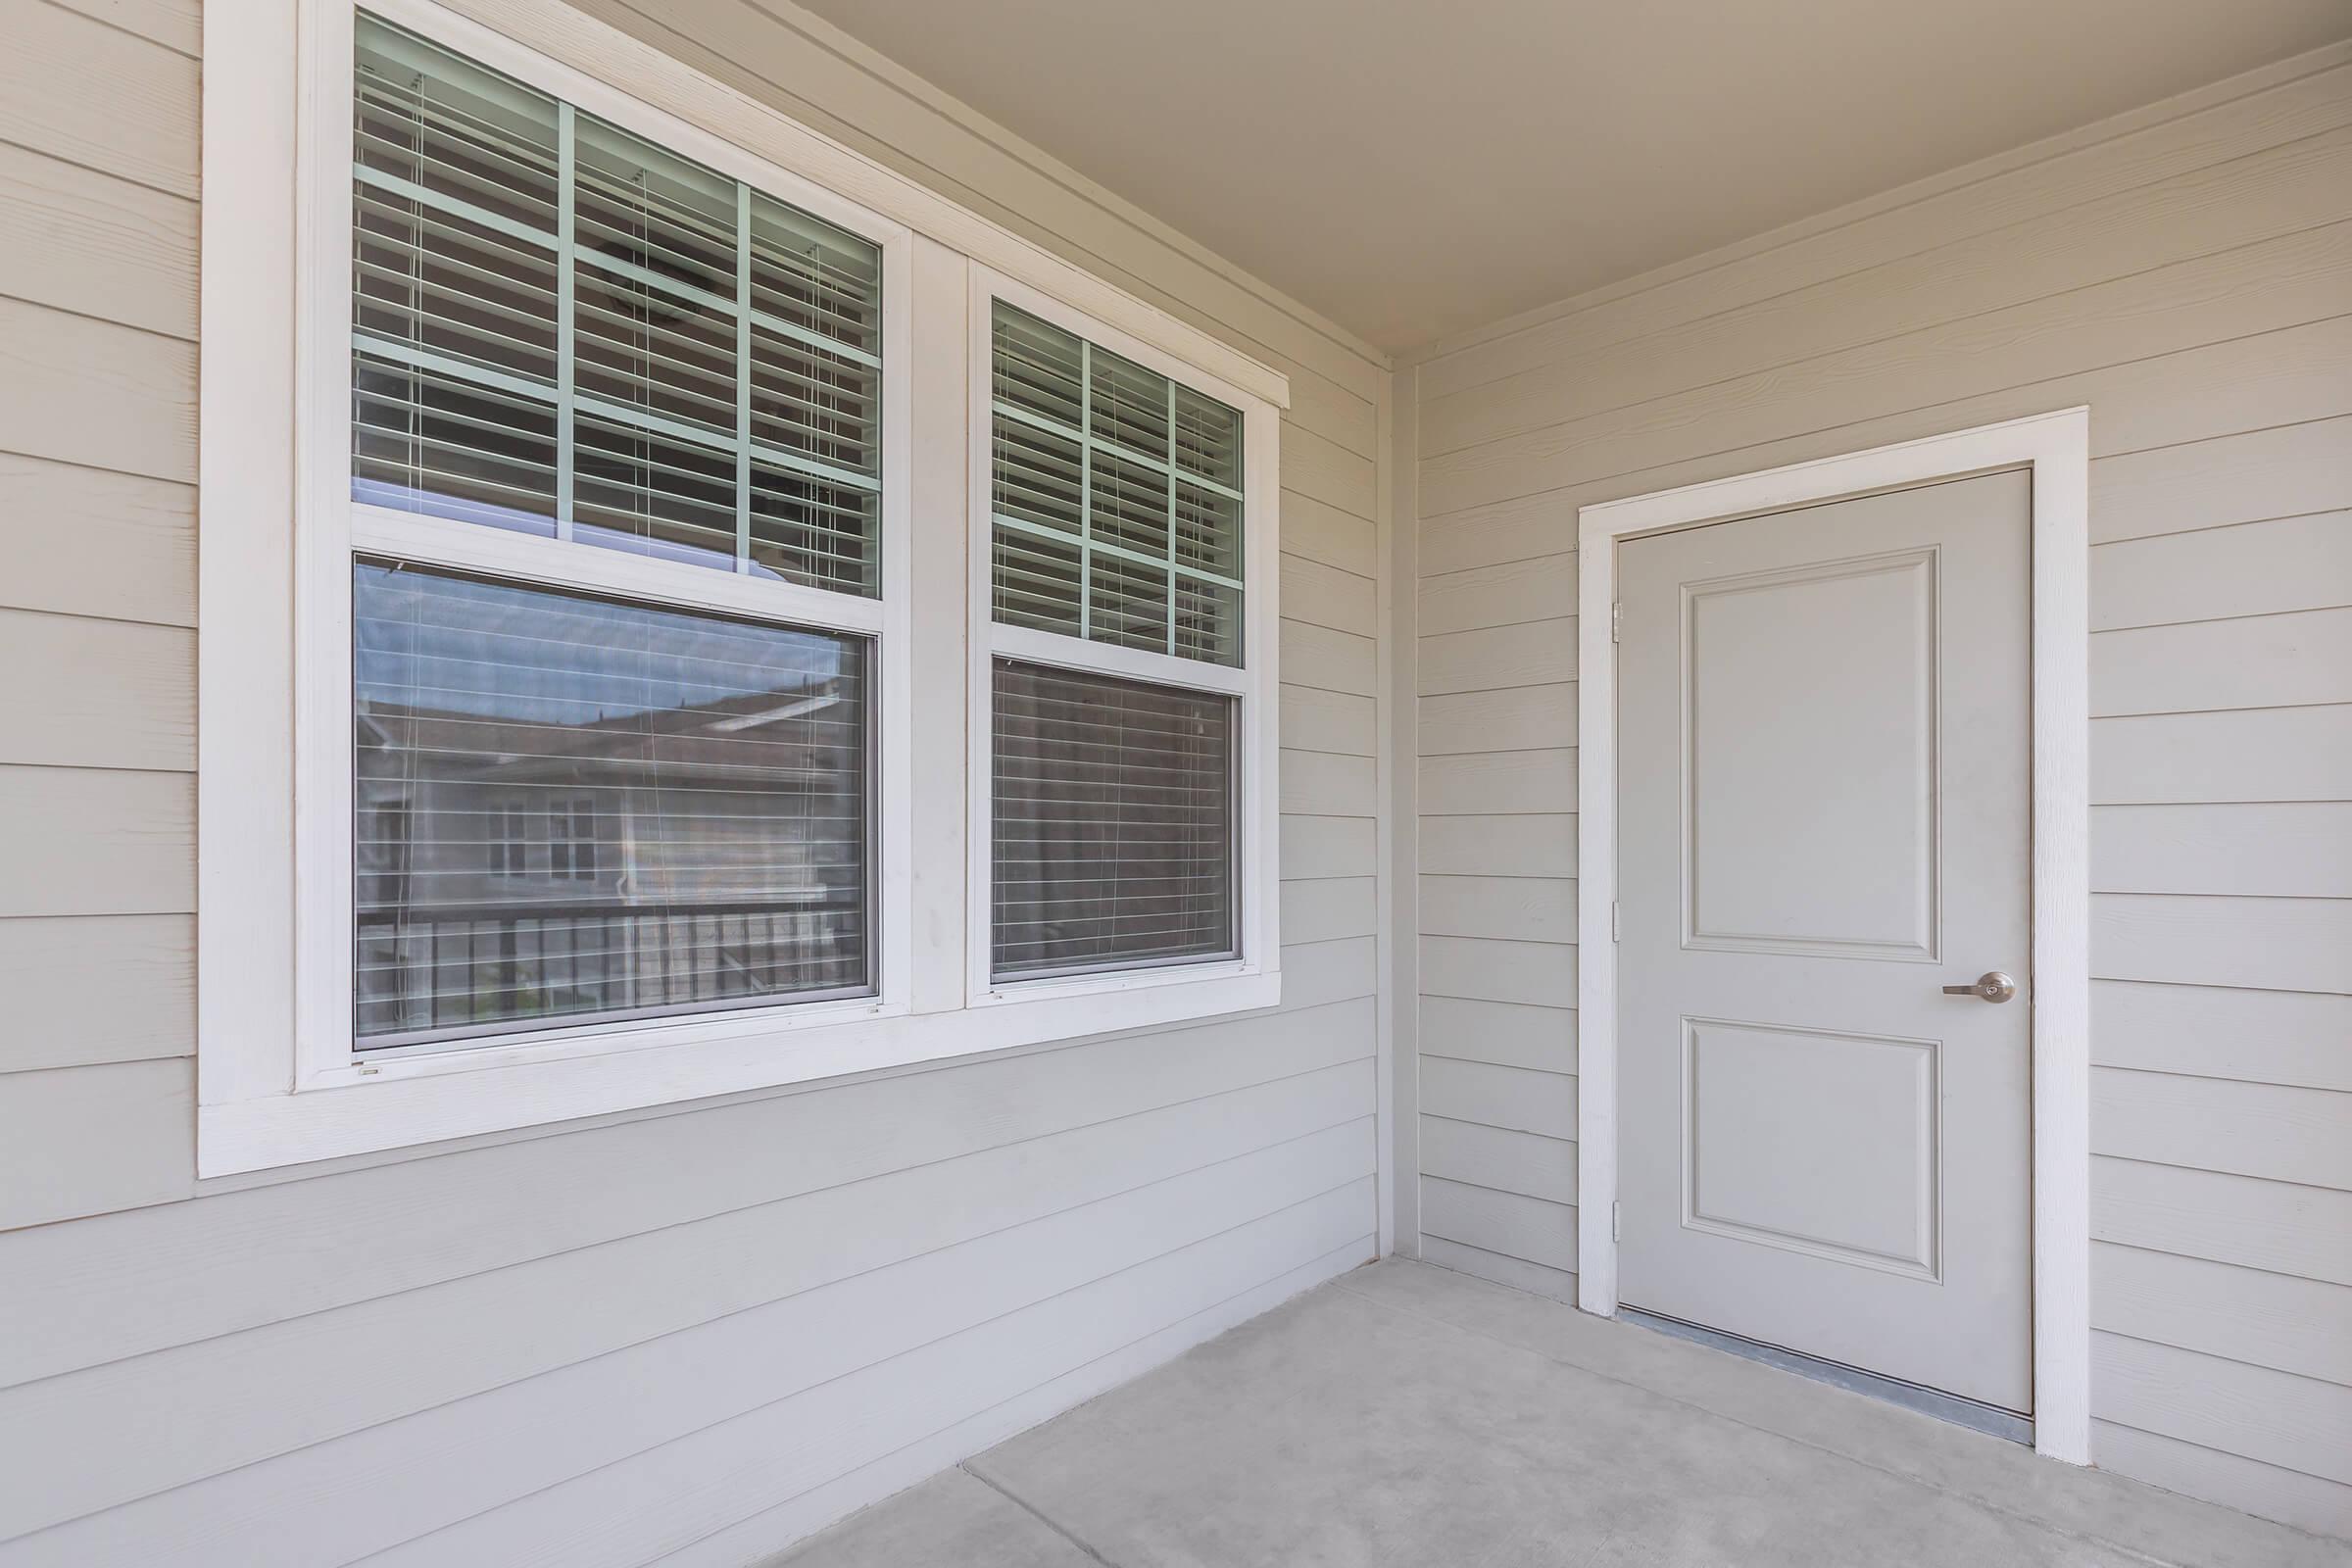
[2057, 448]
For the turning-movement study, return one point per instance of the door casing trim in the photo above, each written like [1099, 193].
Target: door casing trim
[2057, 448]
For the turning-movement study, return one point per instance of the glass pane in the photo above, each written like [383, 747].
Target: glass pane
[808, 273]
[652, 495]
[1113, 840]
[814, 531]
[810, 401]
[1208, 620]
[1127, 603]
[1038, 369]
[644, 349]
[660, 217]
[1129, 404]
[1130, 506]
[1039, 478]
[571, 809]
[1036, 582]
[1208, 438]
[427, 441]
[1209, 530]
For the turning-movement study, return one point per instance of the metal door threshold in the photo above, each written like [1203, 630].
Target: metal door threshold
[1970, 1414]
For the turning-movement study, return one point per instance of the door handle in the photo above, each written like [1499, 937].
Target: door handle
[1991, 986]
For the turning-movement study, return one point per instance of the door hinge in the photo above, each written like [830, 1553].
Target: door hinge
[1616, 619]
[1613, 921]
[1616, 1212]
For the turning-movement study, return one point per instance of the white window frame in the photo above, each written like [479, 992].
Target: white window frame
[337, 528]
[1254, 969]
[279, 1080]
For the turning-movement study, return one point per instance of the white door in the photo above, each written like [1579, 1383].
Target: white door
[1823, 805]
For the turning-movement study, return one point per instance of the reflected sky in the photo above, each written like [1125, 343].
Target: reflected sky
[428, 642]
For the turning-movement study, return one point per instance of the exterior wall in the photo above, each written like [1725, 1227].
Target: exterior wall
[2186, 271]
[704, 1331]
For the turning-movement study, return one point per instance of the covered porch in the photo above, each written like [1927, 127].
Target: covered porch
[1403, 1413]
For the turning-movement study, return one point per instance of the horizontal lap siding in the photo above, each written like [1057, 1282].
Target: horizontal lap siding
[98, 530]
[2189, 278]
[714, 1328]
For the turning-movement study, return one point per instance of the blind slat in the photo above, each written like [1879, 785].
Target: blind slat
[1113, 828]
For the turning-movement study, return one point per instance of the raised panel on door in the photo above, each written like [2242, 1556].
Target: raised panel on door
[1809, 709]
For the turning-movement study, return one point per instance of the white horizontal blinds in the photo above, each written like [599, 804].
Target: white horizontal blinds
[1117, 498]
[561, 328]
[1113, 835]
[571, 809]
[456, 342]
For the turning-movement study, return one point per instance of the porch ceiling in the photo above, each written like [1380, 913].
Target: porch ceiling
[1412, 169]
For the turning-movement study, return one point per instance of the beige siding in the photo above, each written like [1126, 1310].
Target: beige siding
[714, 1327]
[2191, 280]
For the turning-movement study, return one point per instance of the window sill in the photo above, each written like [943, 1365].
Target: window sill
[428, 1098]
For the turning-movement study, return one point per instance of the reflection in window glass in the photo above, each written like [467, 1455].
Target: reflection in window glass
[571, 809]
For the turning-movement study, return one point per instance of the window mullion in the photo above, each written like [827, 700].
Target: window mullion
[743, 378]
[565, 171]
[1172, 490]
[1085, 490]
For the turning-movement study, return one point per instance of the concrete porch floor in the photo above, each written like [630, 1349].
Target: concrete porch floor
[1403, 1414]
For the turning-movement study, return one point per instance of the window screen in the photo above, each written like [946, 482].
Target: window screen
[1117, 498]
[571, 809]
[1113, 842]
[563, 329]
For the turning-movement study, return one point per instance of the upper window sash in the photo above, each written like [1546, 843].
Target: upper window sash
[1117, 514]
[565, 329]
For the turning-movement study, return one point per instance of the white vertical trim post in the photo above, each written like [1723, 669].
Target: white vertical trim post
[1399, 833]
[2057, 448]
[244, 564]
[2061, 983]
[1596, 917]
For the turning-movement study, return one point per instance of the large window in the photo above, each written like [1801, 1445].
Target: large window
[751, 620]
[577, 808]
[1116, 732]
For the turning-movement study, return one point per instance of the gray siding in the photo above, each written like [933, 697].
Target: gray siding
[701, 1332]
[2187, 272]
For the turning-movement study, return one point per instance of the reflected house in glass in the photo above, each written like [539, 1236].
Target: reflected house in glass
[670, 815]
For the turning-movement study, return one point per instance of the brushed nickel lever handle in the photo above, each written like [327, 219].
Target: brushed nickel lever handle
[1991, 986]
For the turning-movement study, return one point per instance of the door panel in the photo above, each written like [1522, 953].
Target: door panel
[1824, 807]
[1788, 854]
[1864, 1111]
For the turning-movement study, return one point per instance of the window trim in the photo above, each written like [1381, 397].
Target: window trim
[1253, 684]
[269, 1092]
